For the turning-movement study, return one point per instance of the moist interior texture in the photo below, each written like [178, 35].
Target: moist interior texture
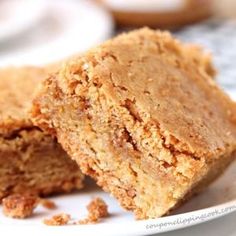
[32, 162]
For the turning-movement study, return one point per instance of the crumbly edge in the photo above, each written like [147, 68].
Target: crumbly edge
[24, 158]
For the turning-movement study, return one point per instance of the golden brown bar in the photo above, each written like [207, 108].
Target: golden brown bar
[142, 115]
[30, 160]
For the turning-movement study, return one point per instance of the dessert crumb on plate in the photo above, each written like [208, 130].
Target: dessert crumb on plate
[19, 205]
[97, 209]
[48, 204]
[57, 220]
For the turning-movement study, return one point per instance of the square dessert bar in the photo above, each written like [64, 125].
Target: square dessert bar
[30, 160]
[142, 115]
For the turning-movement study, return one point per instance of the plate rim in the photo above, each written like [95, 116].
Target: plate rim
[142, 227]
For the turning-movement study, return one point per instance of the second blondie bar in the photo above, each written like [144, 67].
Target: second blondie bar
[31, 161]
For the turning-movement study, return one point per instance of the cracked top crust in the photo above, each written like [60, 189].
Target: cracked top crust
[17, 86]
[163, 80]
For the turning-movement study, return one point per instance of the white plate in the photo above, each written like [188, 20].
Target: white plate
[217, 201]
[145, 6]
[68, 27]
[17, 16]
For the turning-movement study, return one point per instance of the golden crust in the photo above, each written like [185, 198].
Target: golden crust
[17, 86]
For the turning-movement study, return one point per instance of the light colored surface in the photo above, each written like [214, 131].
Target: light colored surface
[144, 5]
[14, 18]
[217, 201]
[68, 27]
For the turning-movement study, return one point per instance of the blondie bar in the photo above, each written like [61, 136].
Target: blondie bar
[142, 115]
[30, 160]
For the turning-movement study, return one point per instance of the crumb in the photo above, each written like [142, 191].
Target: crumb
[48, 204]
[19, 205]
[60, 219]
[85, 222]
[97, 209]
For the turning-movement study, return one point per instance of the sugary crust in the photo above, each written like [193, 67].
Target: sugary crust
[189, 87]
[16, 87]
[29, 158]
[142, 115]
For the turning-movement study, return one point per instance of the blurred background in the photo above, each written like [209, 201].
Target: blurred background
[38, 32]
